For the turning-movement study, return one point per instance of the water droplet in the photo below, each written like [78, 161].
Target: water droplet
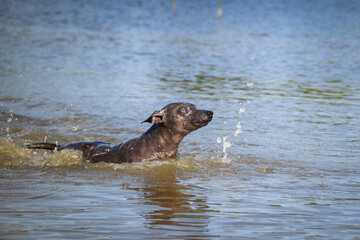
[225, 146]
[238, 130]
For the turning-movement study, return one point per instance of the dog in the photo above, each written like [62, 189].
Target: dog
[170, 125]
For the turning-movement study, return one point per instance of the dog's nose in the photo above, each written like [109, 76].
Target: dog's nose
[209, 113]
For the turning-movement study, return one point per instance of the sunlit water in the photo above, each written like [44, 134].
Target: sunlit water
[279, 160]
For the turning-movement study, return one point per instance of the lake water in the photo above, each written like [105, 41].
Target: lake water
[280, 160]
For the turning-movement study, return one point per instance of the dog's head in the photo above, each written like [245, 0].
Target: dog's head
[181, 117]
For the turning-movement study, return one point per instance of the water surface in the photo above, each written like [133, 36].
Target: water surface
[279, 160]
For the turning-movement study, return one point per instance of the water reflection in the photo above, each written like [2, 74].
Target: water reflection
[179, 208]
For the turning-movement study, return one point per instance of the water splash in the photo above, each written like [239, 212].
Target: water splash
[223, 140]
[64, 157]
[238, 130]
[9, 150]
[226, 144]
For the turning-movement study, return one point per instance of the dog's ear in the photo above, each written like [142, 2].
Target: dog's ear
[156, 117]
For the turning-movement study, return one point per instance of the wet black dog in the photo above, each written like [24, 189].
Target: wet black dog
[161, 140]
